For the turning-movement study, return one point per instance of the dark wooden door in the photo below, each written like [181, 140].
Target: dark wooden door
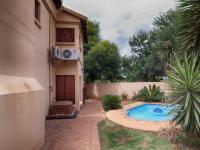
[65, 88]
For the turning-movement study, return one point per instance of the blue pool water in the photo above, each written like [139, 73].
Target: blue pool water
[151, 112]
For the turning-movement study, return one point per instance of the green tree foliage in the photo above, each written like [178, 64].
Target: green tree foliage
[165, 34]
[184, 79]
[141, 44]
[145, 63]
[102, 63]
[152, 50]
[190, 25]
[128, 67]
[93, 28]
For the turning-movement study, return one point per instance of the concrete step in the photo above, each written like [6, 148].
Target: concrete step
[62, 108]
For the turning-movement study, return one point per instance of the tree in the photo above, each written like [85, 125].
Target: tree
[127, 69]
[190, 26]
[146, 63]
[140, 44]
[166, 34]
[102, 63]
[184, 77]
[93, 35]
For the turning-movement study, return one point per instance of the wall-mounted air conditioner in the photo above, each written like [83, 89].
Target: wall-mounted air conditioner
[56, 53]
[70, 54]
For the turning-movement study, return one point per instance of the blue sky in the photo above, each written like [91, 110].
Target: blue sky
[120, 19]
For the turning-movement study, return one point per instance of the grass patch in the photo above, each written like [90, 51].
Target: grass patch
[115, 137]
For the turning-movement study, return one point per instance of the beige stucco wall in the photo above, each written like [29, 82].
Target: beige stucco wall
[24, 49]
[24, 45]
[98, 90]
[22, 121]
[24, 61]
[21, 113]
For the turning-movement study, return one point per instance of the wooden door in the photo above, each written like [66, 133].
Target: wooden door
[70, 87]
[65, 88]
[60, 88]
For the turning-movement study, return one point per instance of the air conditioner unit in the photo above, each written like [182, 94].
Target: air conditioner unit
[70, 54]
[56, 53]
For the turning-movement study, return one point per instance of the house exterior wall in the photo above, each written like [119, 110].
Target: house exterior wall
[24, 63]
[24, 48]
[24, 45]
[98, 90]
[21, 113]
[65, 20]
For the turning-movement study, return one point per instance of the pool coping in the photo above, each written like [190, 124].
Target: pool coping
[120, 117]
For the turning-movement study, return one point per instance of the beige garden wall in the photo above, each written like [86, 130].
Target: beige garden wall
[97, 90]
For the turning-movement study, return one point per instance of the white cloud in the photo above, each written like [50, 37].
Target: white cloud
[120, 19]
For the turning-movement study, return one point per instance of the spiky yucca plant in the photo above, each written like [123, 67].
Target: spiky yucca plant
[184, 78]
[151, 94]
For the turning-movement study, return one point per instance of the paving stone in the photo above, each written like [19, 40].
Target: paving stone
[76, 134]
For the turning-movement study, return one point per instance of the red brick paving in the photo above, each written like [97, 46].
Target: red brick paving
[76, 134]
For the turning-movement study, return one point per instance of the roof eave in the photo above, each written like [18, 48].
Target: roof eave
[79, 15]
[84, 29]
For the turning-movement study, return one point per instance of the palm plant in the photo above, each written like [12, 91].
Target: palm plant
[190, 25]
[184, 78]
[151, 94]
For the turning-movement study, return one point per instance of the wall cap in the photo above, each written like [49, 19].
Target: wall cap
[16, 85]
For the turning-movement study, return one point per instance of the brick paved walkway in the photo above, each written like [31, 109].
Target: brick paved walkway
[76, 134]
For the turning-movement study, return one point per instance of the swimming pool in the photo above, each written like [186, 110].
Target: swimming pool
[151, 112]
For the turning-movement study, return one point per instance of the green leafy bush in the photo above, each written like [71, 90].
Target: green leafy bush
[184, 78]
[111, 102]
[151, 94]
[124, 96]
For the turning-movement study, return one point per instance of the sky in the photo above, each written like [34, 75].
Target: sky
[121, 19]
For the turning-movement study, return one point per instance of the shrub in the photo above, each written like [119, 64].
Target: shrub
[151, 94]
[111, 102]
[124, 96]
[184, 78]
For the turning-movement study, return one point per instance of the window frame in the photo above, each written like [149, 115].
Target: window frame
[37, 13]
[65, 42]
